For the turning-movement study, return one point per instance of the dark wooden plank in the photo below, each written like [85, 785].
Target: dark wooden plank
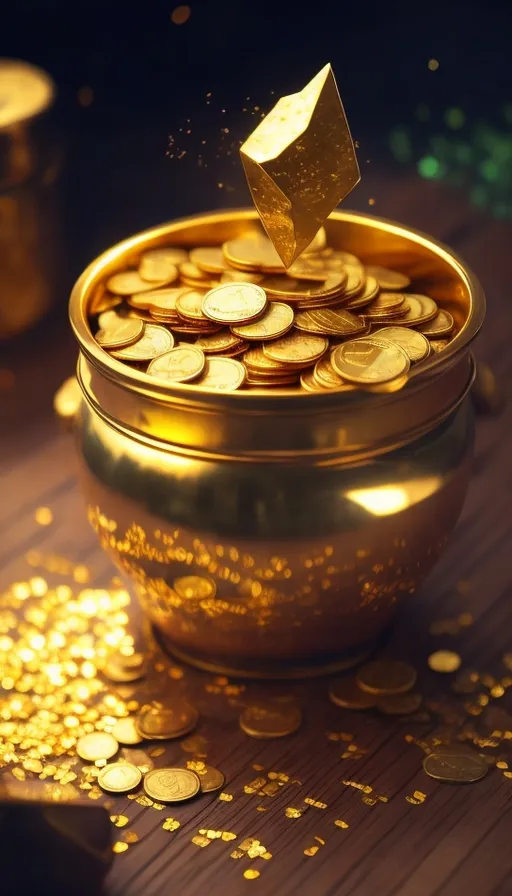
[456, 840]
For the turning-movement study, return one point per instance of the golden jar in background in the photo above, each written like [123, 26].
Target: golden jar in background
[29, 167]
[274, 533]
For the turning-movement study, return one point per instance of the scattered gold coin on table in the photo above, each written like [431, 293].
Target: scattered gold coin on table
[177, 308]
[211, 780]
[123, 669]
[171, 785]
[119, 777]
[399, 704]
[346, 692]
[386, 677]
[455, 767]
[125, 732]
[166, 722]
[270, 719]
[97, 745]
[444, 661]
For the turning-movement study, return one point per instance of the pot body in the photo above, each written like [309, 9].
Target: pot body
[295, 568]
[274, 534]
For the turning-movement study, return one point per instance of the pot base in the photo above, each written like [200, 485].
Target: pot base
[269, 671]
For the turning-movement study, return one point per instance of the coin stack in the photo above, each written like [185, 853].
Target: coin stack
[231, 316]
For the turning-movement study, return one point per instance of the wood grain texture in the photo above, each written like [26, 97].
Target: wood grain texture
[457, 841]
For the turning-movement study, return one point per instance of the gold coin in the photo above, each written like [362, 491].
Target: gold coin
[386, 677]
[418, 310]
[119, 777]
[454, 766]
[190, 271]
[440, 325]
[171, 785]
[309, 382]
[388, 279]
[180, 365]
[414, 344]
[234, 303]
[222, 341]
[309, 267]
[123, 332]
[161, 300]
[209, 259]
[212, 780]
[296, 348]
[222, 374]
[155, 341]
[270, 719]
[189, 305]
[370, 360]
[275, 322]
[254, 252]
[157, 268]
[330, 322]
[125, 732]
[233, 276]
[444, 661]
[123, 669]
[385, 303]
[304, 290]
[399, 704]
[256, 361]
[370, 292]
[165, 254]
[346, 692]
[97, 745]
[326, 375]
[126, 283]
[198, 587]
[167, 722]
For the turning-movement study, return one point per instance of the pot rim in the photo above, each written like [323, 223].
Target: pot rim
[135, 381]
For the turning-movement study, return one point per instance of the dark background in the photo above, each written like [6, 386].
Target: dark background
[148, 76]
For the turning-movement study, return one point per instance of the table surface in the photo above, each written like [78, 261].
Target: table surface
[458, 839]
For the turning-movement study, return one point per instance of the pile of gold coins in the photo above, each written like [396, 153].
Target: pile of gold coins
[231, 316]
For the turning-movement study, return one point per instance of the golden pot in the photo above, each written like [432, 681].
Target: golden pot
[303, 518]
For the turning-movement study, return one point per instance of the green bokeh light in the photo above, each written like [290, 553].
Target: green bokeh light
[455, 118]
[429, 167]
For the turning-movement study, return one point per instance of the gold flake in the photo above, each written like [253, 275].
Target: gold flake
[502, 764]
[170, 824]
[158, 751]
[225, 797]
[119, 847]
[143, 801]
[237, 854]
[131, 837]
[311, 851]
[251, 873]
[201, 841]
[290, 812]
[340, 824]
[119, 820]
[228, 835]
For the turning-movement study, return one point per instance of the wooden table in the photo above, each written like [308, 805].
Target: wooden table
[458, 840]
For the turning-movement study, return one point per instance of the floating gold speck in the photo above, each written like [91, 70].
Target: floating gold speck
[444, 661]
[300, 163]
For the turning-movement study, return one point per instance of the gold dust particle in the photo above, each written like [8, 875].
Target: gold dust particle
[251, 873]
[497, 691]
[444, 661]
[225, 797]
[130, 837]
[433, 64]
[43, 516]
[311, 851]
[201, 841]
[180, 15]
[341, 824]
[119, 846]
[465, 619]
[119, 820]
[371, 201]
[290, 812]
